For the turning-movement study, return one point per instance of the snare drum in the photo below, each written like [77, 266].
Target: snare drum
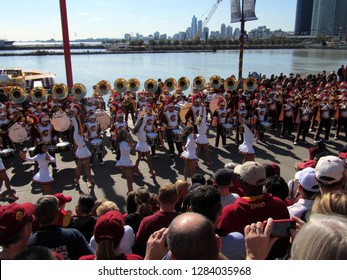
[31, 151]
[17, 133]
[103, 118]
[152, 138]
[63, 147]
[96, 145]
[265, 125]
[60, 121]
[227, 129]
[7, 153]
[177, 135]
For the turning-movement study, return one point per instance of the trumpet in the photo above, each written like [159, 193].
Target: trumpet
[250, 84]
[79, 91]
[18, 94]
[199, 82]
[38, 94]
[230, 83]
[103, 87]
[183, 83]
[120, 85]
[133, 85]
[151, 85]
[216, 81]
[59, 91]
[170, 84]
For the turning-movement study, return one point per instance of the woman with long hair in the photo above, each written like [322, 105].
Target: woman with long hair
[189, 153]
[126, 142]
[201, 139]
[43, 158]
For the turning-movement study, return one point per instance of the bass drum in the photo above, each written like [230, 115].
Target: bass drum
[182, 109]
[61, 121]
[17, 133]
[103, 118]
[214, 102]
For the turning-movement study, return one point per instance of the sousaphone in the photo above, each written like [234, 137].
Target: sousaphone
[38, 94]
[103, 87]
[18, 94]
[151, 85]
[199, 82]
[79, 91]
[183, 83]
[120, 85]
[230, 83]
[59, 91]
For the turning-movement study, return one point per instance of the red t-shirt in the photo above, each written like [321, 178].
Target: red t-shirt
[246, 210]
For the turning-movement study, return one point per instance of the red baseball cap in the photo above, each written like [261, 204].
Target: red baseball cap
[13, 217]
[109, 226]
[63, 198]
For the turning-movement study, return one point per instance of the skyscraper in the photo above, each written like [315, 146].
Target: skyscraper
[223, 31]
[329, 17]
[194, 27]
[303, 17]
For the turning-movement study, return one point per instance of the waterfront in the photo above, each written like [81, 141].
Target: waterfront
[89, 69]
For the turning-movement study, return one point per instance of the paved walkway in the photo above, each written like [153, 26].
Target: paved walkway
[111, 184]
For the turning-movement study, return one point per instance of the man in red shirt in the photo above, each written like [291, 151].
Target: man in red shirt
[254, 206]
[167, 197]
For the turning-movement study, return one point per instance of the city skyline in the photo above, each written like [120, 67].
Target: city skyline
[40, 19]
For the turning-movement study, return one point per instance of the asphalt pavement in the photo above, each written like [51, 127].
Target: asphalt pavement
[110, 183]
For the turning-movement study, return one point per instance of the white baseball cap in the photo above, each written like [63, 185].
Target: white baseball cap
[329, 169]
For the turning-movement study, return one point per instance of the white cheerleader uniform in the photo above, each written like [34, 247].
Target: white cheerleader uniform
[202, 130]
[247, 147]
[124, 160]
[190, 152]
[43, 176]
[82, 150]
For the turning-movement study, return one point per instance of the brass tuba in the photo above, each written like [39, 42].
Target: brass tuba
[183, 83]
[170, 84]
[59, 91]
[151, 85]
[18, 94]
[199, 82]
[79, 91]
[250, 84]
[103, 87]
[216, 81]
[133, 85]
[230, 83]
[38, 94]
[120, 85]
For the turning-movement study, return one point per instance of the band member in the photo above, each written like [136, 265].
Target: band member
[170, 121]
[89, 107]
[119, 125]
[287, 117]
[324, 119]
[219, 118]
[4, 178]
[82, 152]
[240, 116]
[261, 116]
[141, 103]
[43, 158]
[150, 125]
[194, 112]
[142, 147]
[189, 153]
[125, 142]
[201, 139]
[272, 110]
[129, 106]
[4, 127]
[341, 116]
[304, 120]
[92, 134]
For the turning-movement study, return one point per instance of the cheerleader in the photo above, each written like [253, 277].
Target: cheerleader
[125, 142]
[189, 153]
[246, 148]
[83, 154]
[142, 148]
[43, 158]
[201, 139]
[4, 178]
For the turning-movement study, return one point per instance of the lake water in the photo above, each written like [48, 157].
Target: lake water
[90, 69]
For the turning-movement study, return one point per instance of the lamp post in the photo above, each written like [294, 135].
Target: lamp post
[242, 40]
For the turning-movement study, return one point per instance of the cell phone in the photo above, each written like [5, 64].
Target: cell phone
[281, 228]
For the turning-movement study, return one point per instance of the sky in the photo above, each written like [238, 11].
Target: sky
[24, 20]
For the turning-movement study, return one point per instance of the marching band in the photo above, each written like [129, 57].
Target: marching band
[66, 118]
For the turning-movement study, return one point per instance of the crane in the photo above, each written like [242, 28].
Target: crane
[207, 19]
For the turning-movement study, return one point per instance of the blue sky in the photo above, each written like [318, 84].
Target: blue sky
[40, 19]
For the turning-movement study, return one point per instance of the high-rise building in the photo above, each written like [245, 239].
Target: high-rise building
[200, 28]
[303, 17]
[229, 32]
[194, 27]
[223, 31]
[329, 17]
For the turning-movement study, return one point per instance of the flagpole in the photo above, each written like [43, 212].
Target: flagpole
[242, 39]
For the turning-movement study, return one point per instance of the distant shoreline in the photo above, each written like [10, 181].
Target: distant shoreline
[96, 50]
